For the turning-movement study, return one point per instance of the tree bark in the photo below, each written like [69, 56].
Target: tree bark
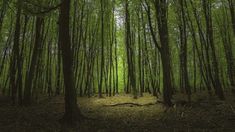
[210, 40]
[72, 111]
[15, 54]
[102, 51]
[34, 60]
[161, 7]
[184, 82]
[232, 12]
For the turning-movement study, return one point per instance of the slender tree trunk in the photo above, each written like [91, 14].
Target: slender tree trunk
[210, 40]
[34, 61]
[15, 54]
[116, 61]
[20, 64]
[3, 10]
[140, 56]
[58, 76]
[225, 34]
[102, 50]
[183, 49]
[204, 65]
[232, 12]
[130, 51]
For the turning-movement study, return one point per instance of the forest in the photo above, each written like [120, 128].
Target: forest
[117, 65]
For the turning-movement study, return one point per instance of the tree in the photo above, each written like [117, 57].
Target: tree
[161, 7]
[102, 49]
[130, 50]
[72, 111]
[34, 61]
[225, 33]
[15, 53]
[210, 41]
[3, 10]
[184, 82]
[232, 12]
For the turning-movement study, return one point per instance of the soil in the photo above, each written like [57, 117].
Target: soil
[122, 113]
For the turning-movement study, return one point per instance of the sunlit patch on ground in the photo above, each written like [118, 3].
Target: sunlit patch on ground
[126, 111]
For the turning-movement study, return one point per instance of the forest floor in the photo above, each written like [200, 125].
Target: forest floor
[122, 113]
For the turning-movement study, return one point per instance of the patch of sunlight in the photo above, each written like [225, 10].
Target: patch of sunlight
[126, 99]
[100, 107]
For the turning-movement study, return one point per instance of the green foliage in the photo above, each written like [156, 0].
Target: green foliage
[85, 32]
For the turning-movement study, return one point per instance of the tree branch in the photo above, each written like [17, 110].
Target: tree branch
[147, 9]
[45, 11]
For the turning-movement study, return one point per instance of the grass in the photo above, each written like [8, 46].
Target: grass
[205, 114]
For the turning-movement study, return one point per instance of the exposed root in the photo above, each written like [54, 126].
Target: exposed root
[129, 104]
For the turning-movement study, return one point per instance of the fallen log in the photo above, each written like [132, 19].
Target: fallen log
[129, 104]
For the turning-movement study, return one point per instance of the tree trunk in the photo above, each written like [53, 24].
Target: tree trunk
[34, 61]
[210, 40]
[15, 54]
[232, 12]
[161, 7]
[102, 50]
[2, 13]
[130, 51]
[72, 111]
[184, 82]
